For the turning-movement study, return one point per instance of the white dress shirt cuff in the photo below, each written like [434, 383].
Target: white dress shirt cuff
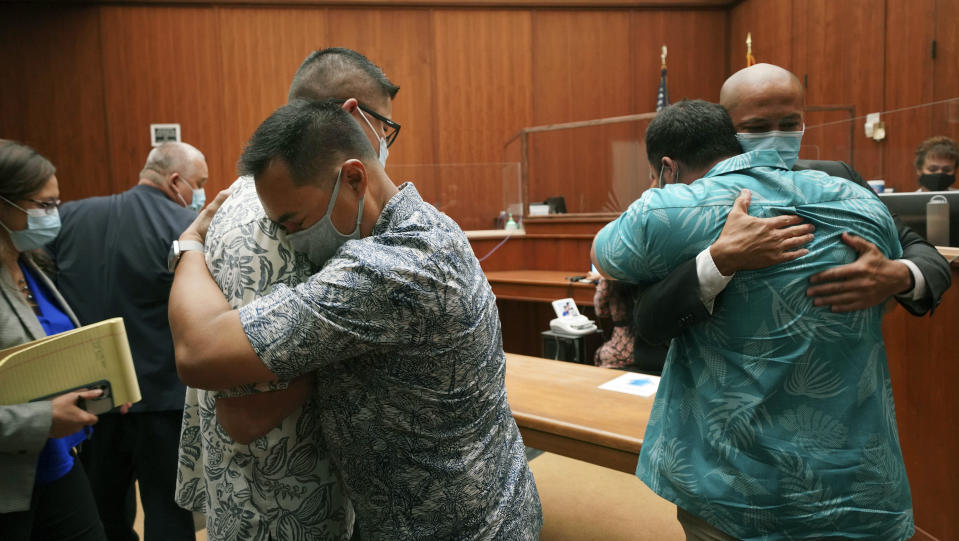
[711, 281]
[919, 290]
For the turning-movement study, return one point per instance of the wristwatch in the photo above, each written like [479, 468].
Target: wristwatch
[180, 246]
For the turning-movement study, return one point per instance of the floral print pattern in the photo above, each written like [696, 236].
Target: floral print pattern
[402, 330]
[774, 418]
[283, 485]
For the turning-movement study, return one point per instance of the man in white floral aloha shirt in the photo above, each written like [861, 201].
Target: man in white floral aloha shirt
[279, 483]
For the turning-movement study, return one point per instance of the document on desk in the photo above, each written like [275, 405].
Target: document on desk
[69, 360]
[633, 383]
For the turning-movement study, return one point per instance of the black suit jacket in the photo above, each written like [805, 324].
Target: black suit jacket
[111, 255]
[667, 307]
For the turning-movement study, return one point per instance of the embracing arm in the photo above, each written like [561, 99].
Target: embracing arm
[685, 297]
[933, 267]
[212, 350]
[246, 418]
[872, 278]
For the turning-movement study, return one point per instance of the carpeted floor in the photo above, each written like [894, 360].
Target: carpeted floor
[582, 502]
[585, 502]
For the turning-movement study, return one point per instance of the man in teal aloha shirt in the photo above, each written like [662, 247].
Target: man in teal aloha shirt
[774, 418]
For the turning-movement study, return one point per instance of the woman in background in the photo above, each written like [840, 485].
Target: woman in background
[44, 493]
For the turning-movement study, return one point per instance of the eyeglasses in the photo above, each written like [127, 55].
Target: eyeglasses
[392, 128]
[48, 207]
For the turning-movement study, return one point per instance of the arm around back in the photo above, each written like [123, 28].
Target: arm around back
[934, 268]
[664, 309]
[246, 418]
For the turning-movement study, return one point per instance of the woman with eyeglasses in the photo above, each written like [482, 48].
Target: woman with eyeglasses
[44, 493]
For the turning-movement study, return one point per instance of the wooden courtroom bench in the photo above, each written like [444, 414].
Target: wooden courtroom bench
[560, 408]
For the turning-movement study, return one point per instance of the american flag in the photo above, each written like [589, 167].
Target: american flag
[662, 98]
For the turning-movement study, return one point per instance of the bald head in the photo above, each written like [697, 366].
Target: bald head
[178, 169]
[763, 98]
[169, 158]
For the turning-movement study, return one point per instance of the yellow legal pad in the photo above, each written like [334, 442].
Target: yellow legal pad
[70, 360]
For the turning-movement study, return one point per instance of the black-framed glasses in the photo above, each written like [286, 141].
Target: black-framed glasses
[392, 128]
[48, 207]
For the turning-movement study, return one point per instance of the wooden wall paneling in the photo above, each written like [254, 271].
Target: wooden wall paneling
[512, 255]
[581, 79]
[568, 254]
[162, 64]
[910, 26]
[260, 51]
[696, 66]
[924, 366]
[771, 25]
[946, 69]
[839, 50]
[400, 41]
[696, 40]
[521, 323]
[483, 94]
[52, 92]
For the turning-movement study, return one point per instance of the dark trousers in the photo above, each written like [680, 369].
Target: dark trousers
[142, 447]
[59, 511]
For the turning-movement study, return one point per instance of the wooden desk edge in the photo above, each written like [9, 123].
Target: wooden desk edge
[600, 438]
[951, 254]
[478, 234]
[503, 277]
[607, 457]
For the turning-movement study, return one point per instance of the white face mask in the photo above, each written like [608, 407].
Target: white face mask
[321, 240]
[384, 149]
[786, 143]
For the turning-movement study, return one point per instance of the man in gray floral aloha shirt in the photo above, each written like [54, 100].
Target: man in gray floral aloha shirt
[281, 485]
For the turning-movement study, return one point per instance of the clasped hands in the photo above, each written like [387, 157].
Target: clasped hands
[748, 242]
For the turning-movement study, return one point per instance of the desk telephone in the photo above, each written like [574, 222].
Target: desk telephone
[568, 319]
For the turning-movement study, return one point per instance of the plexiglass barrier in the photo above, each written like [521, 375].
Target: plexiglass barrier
[596, 166]
[600, 166]
[880, 145]
[475, 195]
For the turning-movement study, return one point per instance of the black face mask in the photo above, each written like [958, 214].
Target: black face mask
[936, 182]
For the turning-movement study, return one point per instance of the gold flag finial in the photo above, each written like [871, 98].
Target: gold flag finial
[663, 56]
[750, 59]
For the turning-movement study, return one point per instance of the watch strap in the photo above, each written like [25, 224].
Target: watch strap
[187, 245]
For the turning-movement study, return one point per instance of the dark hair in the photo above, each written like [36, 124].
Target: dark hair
[23, 171]
[695, 132]
[939, 145]
[311, 137]
[338, 72]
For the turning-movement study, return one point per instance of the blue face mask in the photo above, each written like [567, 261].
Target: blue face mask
[41, 228]
[199, 197]
[786, 143]
[321, 240]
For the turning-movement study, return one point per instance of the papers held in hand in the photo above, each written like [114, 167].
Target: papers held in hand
[94, 356]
